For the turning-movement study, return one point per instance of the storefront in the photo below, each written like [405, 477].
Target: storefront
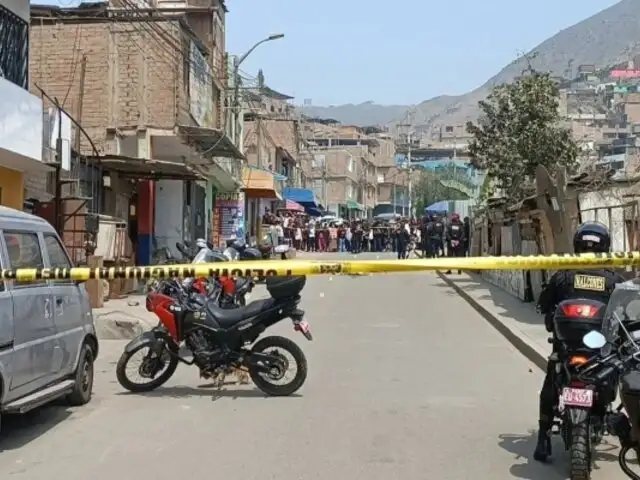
[262, 190]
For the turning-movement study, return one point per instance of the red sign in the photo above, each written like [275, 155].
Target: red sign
[625, 74]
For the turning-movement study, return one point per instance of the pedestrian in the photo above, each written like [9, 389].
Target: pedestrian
[455, 238]
[403, 237]
[312, 236]
[467, 231]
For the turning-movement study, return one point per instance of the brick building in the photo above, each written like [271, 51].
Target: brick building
[147, 86]
[274, 148]
[352, 172]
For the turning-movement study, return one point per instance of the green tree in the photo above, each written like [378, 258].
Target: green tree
[432, 187]
[519, 129]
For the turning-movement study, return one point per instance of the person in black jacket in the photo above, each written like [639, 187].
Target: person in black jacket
[467, 235]
[564, 285]
[437, 237]
[455, 238]
[403, 237]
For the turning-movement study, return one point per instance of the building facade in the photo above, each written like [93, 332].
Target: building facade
[21, 113]
[148, 86]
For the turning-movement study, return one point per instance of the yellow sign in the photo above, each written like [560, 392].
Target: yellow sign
[310, 267]
[588, 282]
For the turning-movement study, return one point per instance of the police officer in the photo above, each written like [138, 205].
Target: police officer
[564, 285]
[437, 236]
[455, 238]
[427, 228]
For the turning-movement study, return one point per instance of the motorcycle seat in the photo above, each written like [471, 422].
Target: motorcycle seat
[227, 318]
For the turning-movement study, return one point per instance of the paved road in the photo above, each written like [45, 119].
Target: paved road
[406, 382]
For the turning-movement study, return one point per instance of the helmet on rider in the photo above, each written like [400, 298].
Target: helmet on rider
[592, 237]
[455, 217]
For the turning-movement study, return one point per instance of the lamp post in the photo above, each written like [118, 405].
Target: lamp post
[236, 84]
[236, 68]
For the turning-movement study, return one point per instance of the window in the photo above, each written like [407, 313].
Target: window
[318, 161]
[448, 129]
[14, 48]
[380, 178]
[352, 164]
[349, 191]
[24, 252]
[57, 256]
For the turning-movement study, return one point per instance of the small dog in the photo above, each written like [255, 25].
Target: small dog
[242, 376]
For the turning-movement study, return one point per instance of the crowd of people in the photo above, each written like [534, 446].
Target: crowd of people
[433, 235]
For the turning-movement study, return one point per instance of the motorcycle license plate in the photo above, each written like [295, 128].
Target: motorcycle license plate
[577, 397]
[303, 326]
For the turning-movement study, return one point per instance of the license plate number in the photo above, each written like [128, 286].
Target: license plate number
[303, 326]
[577, 397]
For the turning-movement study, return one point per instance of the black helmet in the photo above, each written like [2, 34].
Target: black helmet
[591, 237]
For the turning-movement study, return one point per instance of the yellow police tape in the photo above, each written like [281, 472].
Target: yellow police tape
[267, 268]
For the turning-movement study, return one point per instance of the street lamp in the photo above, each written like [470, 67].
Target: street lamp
[236, 68]
[257, 44]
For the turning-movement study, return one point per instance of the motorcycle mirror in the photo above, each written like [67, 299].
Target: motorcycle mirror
[594, 340]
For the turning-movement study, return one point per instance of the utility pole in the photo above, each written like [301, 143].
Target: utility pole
[410, 189]
[259, 138]
[57, 209]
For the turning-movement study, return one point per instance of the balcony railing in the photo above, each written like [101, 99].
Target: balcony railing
[14, 48]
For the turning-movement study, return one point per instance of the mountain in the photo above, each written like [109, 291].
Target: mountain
[605, 39]
[367, 113]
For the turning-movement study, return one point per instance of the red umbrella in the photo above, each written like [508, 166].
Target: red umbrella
[295, 206]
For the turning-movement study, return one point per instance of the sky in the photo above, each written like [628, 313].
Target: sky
[400, 52]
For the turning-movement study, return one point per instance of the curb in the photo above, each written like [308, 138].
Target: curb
[516, 340]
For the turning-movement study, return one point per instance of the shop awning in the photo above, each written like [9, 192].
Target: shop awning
[260, 183]
[353, 205]
[438, 207]
[303, 196]
[146, 169]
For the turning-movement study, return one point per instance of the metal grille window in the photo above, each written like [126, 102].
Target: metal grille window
[14, 48]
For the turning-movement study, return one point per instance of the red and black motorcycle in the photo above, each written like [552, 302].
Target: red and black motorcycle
[219, 338]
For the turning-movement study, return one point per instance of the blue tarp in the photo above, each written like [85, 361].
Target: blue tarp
[303, 196]
[437, 207]
[314, 212]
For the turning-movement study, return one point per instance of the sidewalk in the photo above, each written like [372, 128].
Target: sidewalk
[124, 318]
[517, 321]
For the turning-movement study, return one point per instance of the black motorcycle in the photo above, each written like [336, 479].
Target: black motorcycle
[245, 252]
[581, 416]
[219, 339]
[620, 357]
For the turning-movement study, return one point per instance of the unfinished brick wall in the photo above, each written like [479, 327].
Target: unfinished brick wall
[133, 76]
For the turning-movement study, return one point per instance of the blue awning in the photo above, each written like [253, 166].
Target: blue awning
[437, 207]
[314, 212]
[303, 196]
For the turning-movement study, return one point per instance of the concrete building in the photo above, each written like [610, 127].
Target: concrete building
[21, 113]
[148, 87]
[277, 156]
[345, 168]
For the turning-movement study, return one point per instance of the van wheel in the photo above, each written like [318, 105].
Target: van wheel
[81, 394]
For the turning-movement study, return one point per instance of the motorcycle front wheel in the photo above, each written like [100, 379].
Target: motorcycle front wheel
[156, 370]
[268, 382]
[580, 452]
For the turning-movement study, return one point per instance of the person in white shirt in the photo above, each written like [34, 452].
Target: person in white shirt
[348, 236]
[280, 233]
[312, 236]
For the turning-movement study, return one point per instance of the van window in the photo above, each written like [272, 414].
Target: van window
[57, 256]
[24, 252]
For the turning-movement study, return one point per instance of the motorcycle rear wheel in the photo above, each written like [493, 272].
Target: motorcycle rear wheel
[261, 380]
[580, 453]
[123, 379]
